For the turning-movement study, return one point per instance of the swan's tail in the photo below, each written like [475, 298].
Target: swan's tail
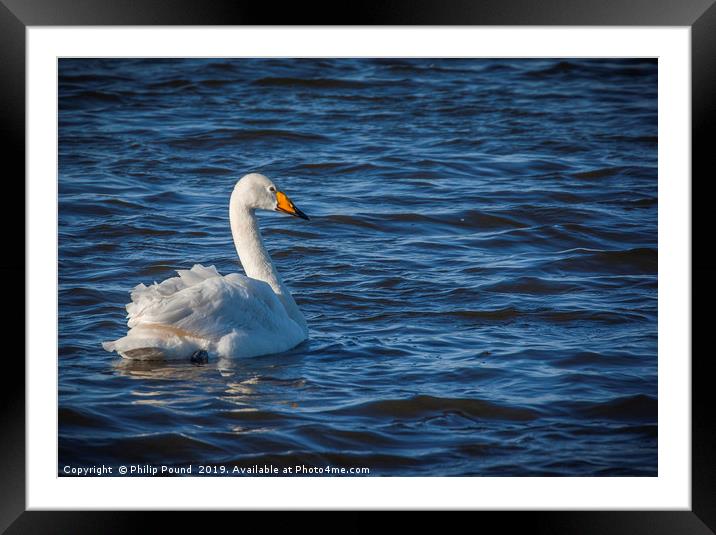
[156, 342]
[122, 347]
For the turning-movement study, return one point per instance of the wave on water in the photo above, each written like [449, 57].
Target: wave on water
[420, 406]
[224, 136]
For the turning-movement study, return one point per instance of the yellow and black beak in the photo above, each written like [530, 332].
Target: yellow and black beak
[284, 204]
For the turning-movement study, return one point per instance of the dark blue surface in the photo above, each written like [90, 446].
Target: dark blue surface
[479, 273]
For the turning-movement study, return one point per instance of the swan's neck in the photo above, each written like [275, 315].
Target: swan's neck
[252, 253]
[255, 258]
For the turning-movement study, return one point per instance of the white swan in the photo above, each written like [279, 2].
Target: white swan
[201, 312]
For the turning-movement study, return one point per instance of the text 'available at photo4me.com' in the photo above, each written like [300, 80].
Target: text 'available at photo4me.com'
[212, 470]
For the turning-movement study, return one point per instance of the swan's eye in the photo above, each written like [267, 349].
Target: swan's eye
[272, 189]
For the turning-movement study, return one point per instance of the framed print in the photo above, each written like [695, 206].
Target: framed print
[434, 258]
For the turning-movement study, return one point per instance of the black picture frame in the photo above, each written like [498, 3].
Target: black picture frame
[17, 15]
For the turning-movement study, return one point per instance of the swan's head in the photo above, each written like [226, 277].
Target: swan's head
[258, 192]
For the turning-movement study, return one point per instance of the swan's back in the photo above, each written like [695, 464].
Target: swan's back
[232, 315]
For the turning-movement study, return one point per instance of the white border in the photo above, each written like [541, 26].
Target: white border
[670, 490]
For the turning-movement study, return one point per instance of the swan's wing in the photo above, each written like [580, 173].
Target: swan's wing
[233, 314]
[148, 302]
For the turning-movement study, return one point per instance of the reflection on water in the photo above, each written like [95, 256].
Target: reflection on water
[479, 273]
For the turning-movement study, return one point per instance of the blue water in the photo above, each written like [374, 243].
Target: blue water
[479, 273]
